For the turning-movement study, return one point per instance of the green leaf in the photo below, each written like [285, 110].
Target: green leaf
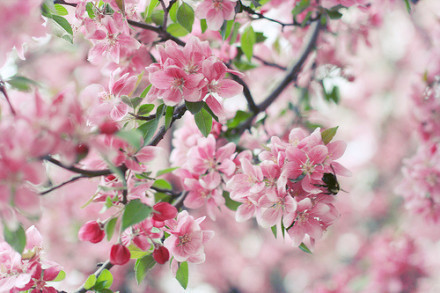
[21, 83]
[145, 91]
[182, 274]
[162, 184]
[16, 239]
[300, 7]
[61, 276]
[226, 29]
[63, 23]
[240, 117]
[173, 12]
[230, 203]
[148, 129]
[142, 266]
[334, 14]
[185, 16]
[160, 197]
[194, 107]
[408, 6]
[274, 230]
[132, 136]
[149, 9]
[203, 25]
[260, 37]
[168, 116]
[110, 228]
[248, 41]
[135, 212]
[90, 282]
[145, 109]
[234, 33]
[60, 10]
[105, 278]
[177, 30]
[204, 122]
[244, 65]
[90, 11]
[136, 252]
[328, 134]
[206, 107]
[304, 248]
[165, 171]
[157, 17]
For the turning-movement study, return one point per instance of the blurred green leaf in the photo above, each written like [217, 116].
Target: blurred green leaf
[142, 266]
[247, 42]
[203, 121]
[182, 274]
[185, 16]
[15, 238]
[135, 211]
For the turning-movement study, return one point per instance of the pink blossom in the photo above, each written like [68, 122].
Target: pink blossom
[216, 12]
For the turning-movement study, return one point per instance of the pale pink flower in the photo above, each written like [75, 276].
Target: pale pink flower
[216, 12]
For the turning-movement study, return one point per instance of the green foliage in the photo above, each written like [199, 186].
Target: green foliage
[185, 16]
[248, 39]
[15, 238]
[60, 10]
[182, 274]
[21, 83]
[136, 252]
[177, 30]
[90, 282]
[173, 12]
[328, 134]
[304, 248]
[194, 107]
[274, 230]
[145, 109]
[110, 228]
[142, 266]
[132, 136]
[230, 203]
[145, 91]
[162, 184]
[90, 10]
[240, 117]
[149, 128]
[166, 171]
[226, 29]
[63, 23]
[234, 33]
[203, 121]
[168, 116]
[61, 276]
[203, 25]
[135, 212]
[104, 281]
[300, 7]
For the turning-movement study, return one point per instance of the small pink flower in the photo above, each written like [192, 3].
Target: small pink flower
[119, 254]
[91, 231]
[216, 12]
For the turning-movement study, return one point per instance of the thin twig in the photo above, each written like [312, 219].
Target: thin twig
[270, 63]
[164, 35]
[86, 173]
[73, 179]
[5, 93]
[178, 113]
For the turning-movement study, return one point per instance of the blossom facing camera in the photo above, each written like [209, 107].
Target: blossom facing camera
[161, 255]
[164, 211]
[119, 255]
[91, 231]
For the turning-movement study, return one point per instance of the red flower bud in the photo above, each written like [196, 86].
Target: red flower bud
[119, 255]
[108, 127]
[161, 255]
[164, 211]
[91, 231]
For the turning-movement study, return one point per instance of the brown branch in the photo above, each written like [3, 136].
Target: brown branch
[73, 179]
[164, 35]
[270, 63]
[290, 77]
[5, 93]
[85, 173]
[178, 113]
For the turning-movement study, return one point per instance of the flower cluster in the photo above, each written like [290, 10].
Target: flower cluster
[28, 271]
[192, 74]
[293, 185]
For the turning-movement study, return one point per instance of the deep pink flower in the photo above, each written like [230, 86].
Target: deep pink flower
[216, 12]
[161, 255]
[164, 211]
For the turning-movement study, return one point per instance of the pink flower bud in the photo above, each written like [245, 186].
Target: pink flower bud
[119, 255]
[108, 127]
[164, 211]
[161, 255]
[91, 231]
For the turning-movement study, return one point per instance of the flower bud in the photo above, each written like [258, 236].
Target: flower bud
[119, 255]
[91, 231]
[164, 211]
[161, 255]
[108, 127]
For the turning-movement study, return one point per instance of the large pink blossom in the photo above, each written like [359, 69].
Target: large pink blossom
[216, 12]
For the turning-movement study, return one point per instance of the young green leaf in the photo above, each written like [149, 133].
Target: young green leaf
[149, 9]
[194, 107]
[173, 11]
[185, 16]
[142, 266]
[135, 212]
[90, 11]
[168, 116]
[182, 274]
[21, 83]
[234, 34]
[148, 129]
[162, 184]
[15, 238]
[240, 116]
[203, 25]
[177, 30]
[165, 171]
[247, 42]
[132, 136]
[230, 203]
[304, 248]
[328, 134]
[145, 91]
[204, 122]
[105, 279]
[136, 252]
[300, 7]
[63, 23]
[61, 276]
[226, 29]
[110, 228]
[60, 10]
[274, 230]
[90, 282]
[145, 109]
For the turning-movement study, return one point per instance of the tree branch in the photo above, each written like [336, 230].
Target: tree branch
[73, 179]
[85, 173]
[178, 113]
[270, 63]
[164, 35]
[5, 93]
